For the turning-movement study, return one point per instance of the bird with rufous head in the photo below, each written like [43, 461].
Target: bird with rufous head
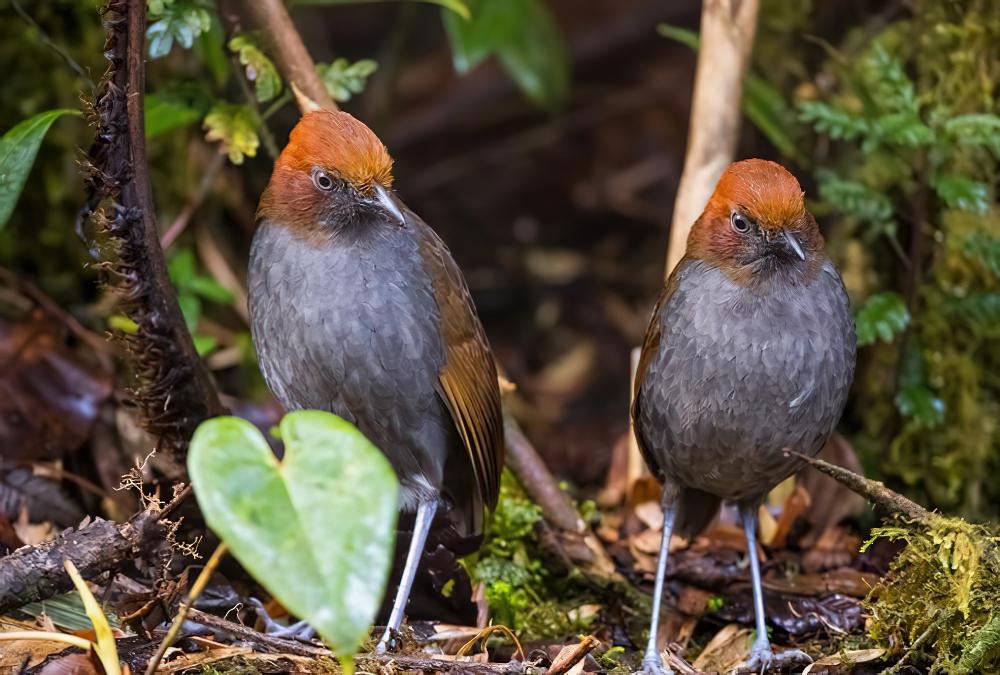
[358, 308]
[749, 354]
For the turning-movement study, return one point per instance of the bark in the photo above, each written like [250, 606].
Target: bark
[261, 642]
[537, 480]
[727, 33]
[173, 389]
[289, 53]
[36, 573]
[874, 491]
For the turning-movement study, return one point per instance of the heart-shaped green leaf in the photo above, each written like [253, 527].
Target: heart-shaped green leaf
[315, 529]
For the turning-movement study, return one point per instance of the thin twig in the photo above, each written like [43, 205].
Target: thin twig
[537, 480]
[48, 42]
[873, 491]
[101, 346]
[191, 207]
[182, 611]
[266, 137]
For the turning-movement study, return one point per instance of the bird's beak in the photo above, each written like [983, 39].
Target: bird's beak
[793, 243]
[386, 201]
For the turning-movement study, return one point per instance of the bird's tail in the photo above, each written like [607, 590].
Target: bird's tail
[697, 509]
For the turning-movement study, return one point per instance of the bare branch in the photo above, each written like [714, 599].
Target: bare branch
[727, 33]
[174, 389]
[289, 53]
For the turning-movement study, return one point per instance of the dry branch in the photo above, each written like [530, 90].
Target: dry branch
[174, 390]
[36, 573]
[289, 53]
[874, 491]
[537, 480]
[727, 33]
[262, 642]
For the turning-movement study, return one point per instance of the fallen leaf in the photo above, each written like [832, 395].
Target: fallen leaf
[14, 653]
[49, 397]
[848, 659]
[73, 664]
[724, 652]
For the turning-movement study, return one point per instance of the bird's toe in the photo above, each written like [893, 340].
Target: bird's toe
[300, 630]
[763, 660]
[652, 664]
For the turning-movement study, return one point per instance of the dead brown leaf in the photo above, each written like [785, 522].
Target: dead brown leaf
[49, 397]
[726, 651]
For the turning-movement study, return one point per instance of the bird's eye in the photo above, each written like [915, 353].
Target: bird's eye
[740, 223]
[322, 180]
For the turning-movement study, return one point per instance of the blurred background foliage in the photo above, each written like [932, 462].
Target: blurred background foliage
[887, 112]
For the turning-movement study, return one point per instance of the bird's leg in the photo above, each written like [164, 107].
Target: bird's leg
[300, 630]
[761, 657]
[421, 527]
[652, 663]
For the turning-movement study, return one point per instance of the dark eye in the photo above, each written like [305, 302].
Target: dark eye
[322, 180]
[740, 223]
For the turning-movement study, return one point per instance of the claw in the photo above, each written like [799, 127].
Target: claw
[389, 642]
[300, 630]
[652, 664]
[763, 660]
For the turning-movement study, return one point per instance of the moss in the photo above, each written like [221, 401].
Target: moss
[524, 593]
[937, 604]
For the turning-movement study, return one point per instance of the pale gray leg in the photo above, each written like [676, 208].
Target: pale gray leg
[761, 656]
[652, 663]
[421, 527]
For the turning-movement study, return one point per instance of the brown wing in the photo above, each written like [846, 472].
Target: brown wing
[650, 347]
[468, 378]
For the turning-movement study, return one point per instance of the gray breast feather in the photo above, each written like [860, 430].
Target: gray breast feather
[354, 329]
[738, 377]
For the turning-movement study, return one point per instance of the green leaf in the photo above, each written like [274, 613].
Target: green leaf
[962, 192]
[893, 90]
[763, 103]
[18, 149]
[524, 36]
[233, 125]
[456, 6]
[258, 68]
[175, 20]
[181, 268]
[919, 403]
[982, 307]
[856, 199]
[190, 306]
[904, 129]
[985, 248]
[164, 114]
[882, 317]
[836, 123]
[682, 35]
[204, 344]
[210, 289]
[344, 79]
[315, 529]
[766, 108]
[976, 130]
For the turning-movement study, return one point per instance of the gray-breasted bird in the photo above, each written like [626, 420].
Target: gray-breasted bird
[357, 307]
[750, 351]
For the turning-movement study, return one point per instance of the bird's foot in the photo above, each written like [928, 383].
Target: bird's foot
[300, 630]
[652, 664]
[389, 642]
[763, 659]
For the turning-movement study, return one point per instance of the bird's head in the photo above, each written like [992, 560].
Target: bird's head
[756, 227]
[334, 172]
